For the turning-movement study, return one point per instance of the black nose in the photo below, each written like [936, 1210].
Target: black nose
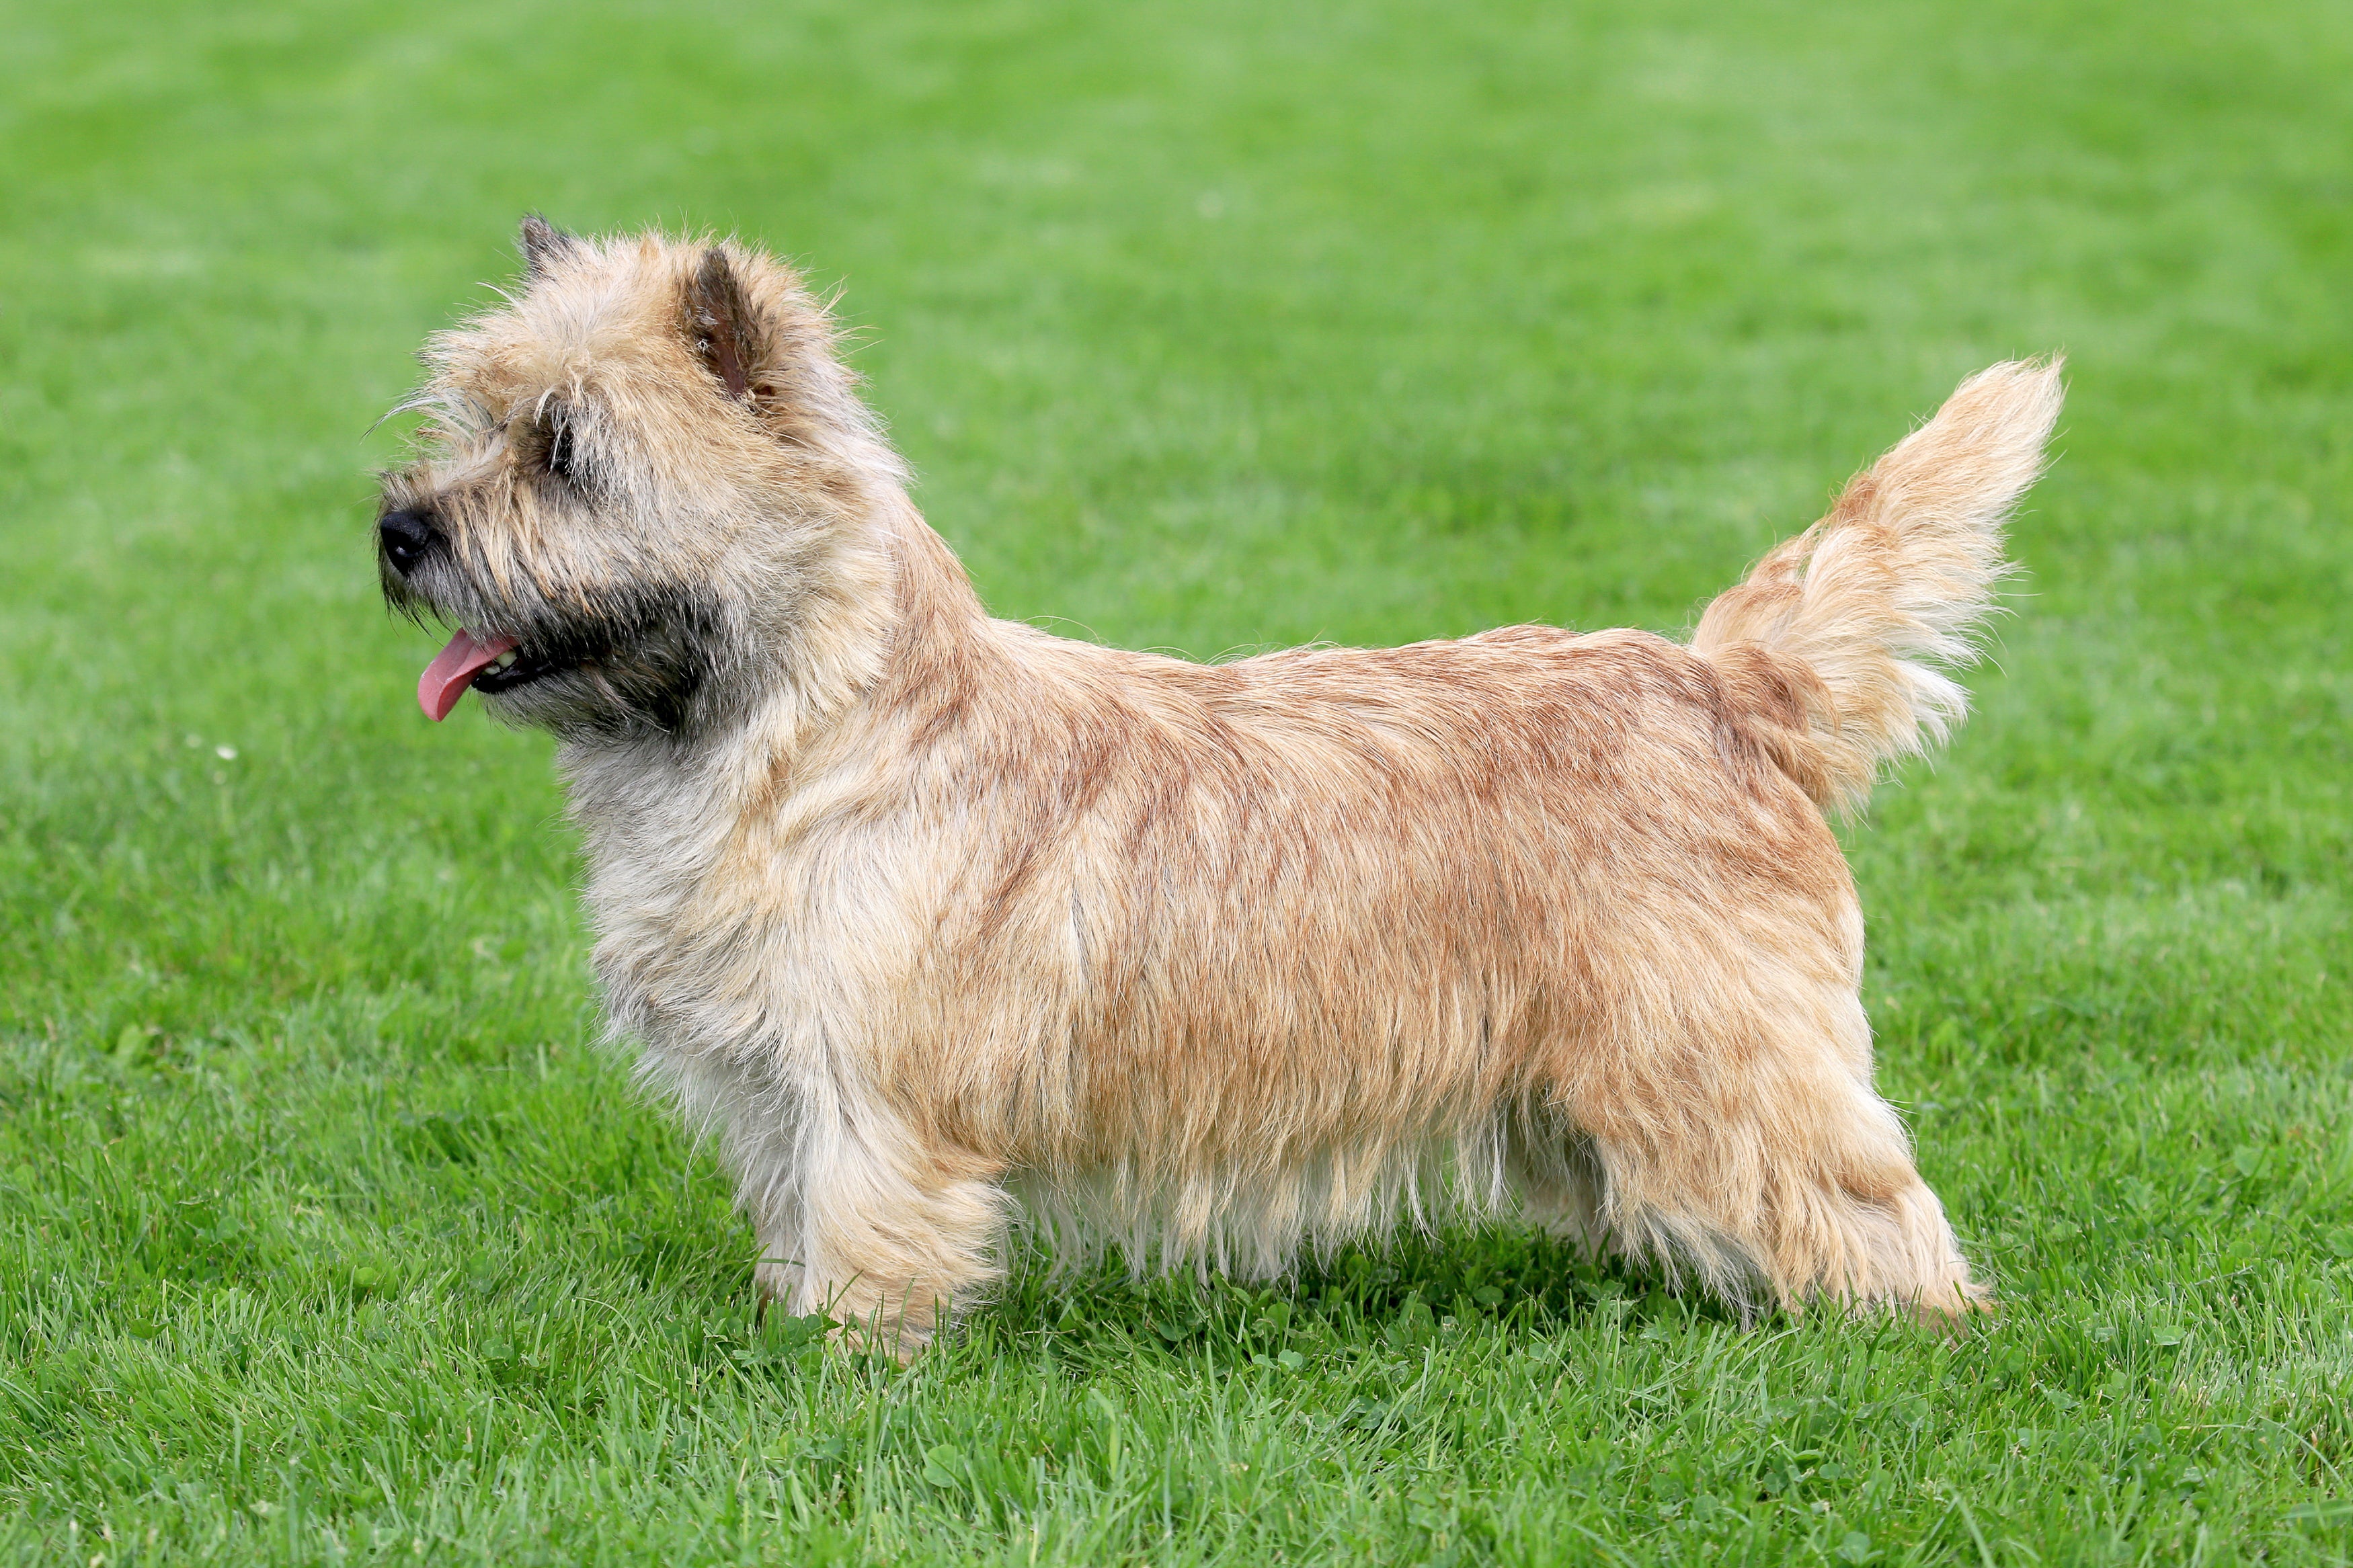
[407, 536]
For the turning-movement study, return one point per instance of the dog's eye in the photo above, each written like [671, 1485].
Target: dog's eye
[561, 459]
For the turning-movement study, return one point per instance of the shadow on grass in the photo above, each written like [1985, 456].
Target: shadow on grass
[1397, 1295]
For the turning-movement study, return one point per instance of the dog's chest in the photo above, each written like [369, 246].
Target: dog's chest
[675, 924]
[711, 940]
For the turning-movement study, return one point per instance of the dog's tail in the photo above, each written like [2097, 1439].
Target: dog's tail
[1842, 640]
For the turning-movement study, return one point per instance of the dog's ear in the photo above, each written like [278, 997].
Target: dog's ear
[721, 323]
[543, 245]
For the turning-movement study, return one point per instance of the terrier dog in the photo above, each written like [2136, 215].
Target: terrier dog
[941, 924]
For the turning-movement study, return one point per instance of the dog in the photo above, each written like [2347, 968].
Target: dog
[942, 925]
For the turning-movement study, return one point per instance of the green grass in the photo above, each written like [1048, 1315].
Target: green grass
[325, 1235]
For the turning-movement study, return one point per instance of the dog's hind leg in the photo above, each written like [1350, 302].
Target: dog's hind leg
[1751, 1149]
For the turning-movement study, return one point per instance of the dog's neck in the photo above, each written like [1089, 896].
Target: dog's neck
[669, 823]
[892, 633]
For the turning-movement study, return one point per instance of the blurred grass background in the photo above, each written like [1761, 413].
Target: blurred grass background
[327, 1235]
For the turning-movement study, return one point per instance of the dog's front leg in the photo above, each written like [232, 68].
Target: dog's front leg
[862, 1219]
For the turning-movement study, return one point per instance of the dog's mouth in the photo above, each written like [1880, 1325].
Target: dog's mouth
[491, 664]
[634, 662]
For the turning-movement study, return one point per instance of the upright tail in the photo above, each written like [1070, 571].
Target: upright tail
[1841, 642]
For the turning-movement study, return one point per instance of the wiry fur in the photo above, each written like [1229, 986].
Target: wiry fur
[1862, 615]
[940, 923]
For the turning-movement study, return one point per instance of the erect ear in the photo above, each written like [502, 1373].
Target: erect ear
[543, 245]
[720, 324]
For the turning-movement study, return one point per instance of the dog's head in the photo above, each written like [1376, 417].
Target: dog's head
[632, 479]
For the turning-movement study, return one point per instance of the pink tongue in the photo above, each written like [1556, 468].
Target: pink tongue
[453, 670]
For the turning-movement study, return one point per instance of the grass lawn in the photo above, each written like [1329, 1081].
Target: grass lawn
[327, 1234]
